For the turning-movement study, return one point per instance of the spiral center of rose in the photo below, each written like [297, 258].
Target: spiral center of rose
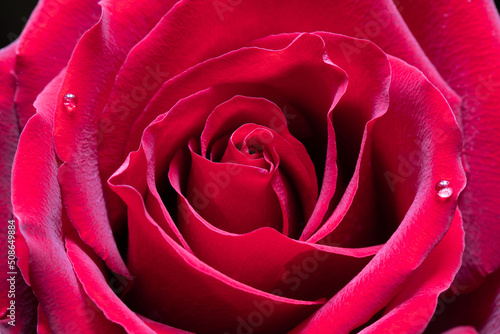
[246, 171]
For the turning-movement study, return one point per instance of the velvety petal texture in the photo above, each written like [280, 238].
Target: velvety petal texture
[464, 26]
[16, 290]
[45, 47]
[44, 238]
[348, 310]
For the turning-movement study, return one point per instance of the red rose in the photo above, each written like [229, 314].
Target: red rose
[237, 166]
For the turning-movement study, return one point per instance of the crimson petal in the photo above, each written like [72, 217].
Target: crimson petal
[40, 214]
[99, 289]
[45, 46]
[429, 216]
[475, 76]
[74, 134]
[25, 300]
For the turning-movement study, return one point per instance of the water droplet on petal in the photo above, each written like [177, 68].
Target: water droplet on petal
[443, 189]
[70, 101]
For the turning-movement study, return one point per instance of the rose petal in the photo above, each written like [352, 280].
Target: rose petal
[414, 305]
[428, 217]
[367, 100]
[43, 326]
[45, 46]
[25, 301]
[152, 293]
[475, 76]
[90, 75]
[100, 290]
[269, 261]
[39, 212]
[239, 202]
[78, 176]
[159, 327]
[284, 70]
[10, 131]
[462, 330]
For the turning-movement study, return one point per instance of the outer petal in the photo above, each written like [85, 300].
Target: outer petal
[25, 301]
[100, 290]
[363, 103]
[45, 46]
[8, 128]
[37, 206]
[462, 39]
[427, 218]
[90, 76]
[411, 309]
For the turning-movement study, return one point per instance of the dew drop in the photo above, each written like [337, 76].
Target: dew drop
[443, 189]
[70, 101]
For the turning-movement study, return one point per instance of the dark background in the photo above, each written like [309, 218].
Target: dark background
[13, 17]
[15, 13]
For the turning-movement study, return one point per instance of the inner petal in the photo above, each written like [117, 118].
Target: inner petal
[233, 197]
